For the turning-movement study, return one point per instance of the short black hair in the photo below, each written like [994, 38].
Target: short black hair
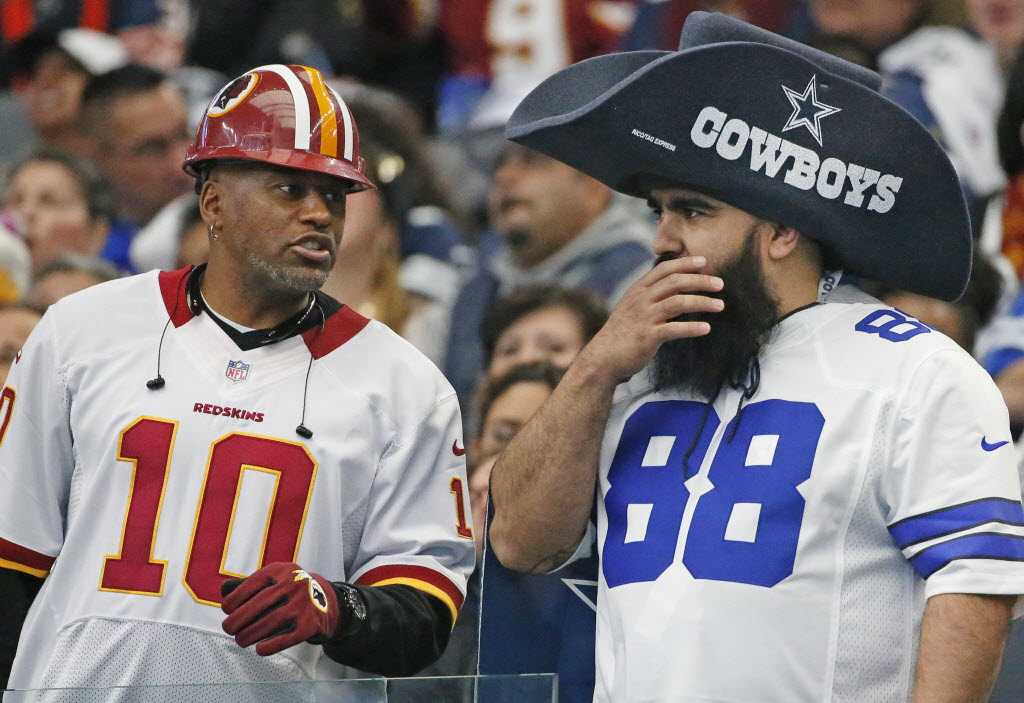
[587, 307]
[977, 306]
[25, 55]
[98, 196]
[73, 262]
[126, 81]
[538, 372]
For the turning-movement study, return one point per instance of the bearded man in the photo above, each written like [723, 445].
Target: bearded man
[802, 494]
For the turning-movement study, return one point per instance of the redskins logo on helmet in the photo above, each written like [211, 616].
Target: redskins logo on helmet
[233, 93]
[281, 115]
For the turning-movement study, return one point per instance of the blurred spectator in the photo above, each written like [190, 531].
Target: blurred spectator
[860, 31]
[365, 275]
[137, 124]
[49, 71]
[497, 51]
[16, 322]
[552, 225]
[417, 195]
[193, 239]
[1010, 139]
[507, 401]
[18, 18]
[232, 36]
[659, 22]
[63, 204]
[962, 320]
[388, 43]
[953, 81]
[67, 274]
[158, 244]
[160, 44]
[15, 260]
[539, 323]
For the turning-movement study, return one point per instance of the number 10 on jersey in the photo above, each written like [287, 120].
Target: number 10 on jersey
[748, 512]
[148, 444]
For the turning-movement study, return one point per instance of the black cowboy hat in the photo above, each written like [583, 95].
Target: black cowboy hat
[775, 128]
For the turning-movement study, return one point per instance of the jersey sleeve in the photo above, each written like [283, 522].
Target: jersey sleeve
[36, 460]
[418, 529]
[952, 485]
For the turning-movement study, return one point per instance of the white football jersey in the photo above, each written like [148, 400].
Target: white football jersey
[790, 557]
[139, 503]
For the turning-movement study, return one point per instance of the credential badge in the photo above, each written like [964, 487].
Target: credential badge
[807, 111]
[237, 371]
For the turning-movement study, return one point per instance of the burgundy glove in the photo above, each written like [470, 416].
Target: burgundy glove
[279, 606]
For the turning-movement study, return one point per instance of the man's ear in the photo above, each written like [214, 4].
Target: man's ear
[211, 202]
[783, 240]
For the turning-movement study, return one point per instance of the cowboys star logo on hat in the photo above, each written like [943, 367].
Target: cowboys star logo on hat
[807, 110]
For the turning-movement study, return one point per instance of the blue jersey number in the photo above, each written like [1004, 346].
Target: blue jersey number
[892, 325]
[747, 516]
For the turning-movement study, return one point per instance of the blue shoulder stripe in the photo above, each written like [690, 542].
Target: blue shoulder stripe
[980, 545]
[953, 519]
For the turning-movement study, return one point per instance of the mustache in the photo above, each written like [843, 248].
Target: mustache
[665, 256]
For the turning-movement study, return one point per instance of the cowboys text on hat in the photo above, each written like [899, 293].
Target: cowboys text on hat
[769, 153]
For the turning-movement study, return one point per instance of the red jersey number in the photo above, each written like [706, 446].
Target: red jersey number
[148, 444]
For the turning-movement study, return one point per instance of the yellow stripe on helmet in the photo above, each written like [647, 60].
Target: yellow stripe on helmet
[328, 116]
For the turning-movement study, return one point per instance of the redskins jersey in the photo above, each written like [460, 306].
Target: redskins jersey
[137, 503]
[789, 556]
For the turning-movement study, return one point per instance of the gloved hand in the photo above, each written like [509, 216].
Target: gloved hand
[279, 606]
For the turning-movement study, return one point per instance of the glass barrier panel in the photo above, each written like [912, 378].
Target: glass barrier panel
[526, 688]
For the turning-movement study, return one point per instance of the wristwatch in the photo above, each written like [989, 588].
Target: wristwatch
[351, 602]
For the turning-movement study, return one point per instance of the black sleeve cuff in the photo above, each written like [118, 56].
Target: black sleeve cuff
[405, 630]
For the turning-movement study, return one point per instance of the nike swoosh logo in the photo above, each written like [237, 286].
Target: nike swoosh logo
[455, 449]
[994, 446]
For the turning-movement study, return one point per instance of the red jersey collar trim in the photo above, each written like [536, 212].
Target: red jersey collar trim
[173, 289]
[338, 329]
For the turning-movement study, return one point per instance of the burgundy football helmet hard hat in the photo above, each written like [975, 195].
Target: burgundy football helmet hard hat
[282, 115]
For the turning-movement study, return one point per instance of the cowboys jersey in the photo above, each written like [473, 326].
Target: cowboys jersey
[784, 552]
[136, 503]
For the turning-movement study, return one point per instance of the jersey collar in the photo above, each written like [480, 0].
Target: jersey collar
[324, 326]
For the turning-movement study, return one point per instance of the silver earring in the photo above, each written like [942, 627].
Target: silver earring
[213, 235]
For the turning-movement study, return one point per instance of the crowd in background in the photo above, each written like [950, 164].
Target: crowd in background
[498, 263]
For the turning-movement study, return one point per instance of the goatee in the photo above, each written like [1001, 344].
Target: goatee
[724, 356]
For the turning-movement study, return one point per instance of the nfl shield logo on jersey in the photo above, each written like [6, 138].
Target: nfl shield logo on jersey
[237, 371]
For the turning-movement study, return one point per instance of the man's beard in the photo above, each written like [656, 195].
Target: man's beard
[703, 365]
[300, 282]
